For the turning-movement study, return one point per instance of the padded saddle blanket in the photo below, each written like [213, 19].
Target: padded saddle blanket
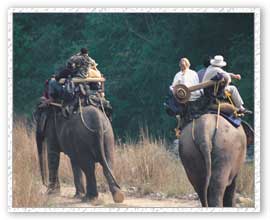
[236, 122]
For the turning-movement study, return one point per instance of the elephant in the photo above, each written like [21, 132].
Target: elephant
[87, 138]
[212, 157]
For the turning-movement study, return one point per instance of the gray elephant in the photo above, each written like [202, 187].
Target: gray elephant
[87, 138]
[212, 158]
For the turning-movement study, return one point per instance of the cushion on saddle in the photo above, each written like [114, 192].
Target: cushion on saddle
[236, 122]
[93, 73]
[225, 108]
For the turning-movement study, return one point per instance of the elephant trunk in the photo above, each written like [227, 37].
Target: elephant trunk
[40, 148]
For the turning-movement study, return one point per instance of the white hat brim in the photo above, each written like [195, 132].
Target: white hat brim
[219, 64]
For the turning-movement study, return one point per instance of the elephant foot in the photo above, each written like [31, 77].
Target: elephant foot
[89, 199]
[118, 196]
[94, 201]
[53, 191]
[78, 195]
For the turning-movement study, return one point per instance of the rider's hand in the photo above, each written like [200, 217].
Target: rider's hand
[237, 76]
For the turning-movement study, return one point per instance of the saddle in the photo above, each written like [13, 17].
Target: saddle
[85, 96]
[214, 101]
[69, 93]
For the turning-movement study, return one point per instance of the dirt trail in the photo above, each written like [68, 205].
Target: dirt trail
[66, 200]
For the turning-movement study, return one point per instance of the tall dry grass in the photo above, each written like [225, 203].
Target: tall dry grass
[145, 165]
[65, 170]
[151, 168]
[27, 188]
[26, 181]
[245, 180]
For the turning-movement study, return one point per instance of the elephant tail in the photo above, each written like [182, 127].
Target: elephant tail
[204, 144]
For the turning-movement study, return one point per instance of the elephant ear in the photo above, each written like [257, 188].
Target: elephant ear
[249, 132]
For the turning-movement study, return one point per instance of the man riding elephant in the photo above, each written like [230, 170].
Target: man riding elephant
[60, 88]
[78, 65]
[187, 77]
[183, 111]
[81, 62]
[216, 68]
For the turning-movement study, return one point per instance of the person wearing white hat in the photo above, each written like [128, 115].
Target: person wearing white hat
[216, 67]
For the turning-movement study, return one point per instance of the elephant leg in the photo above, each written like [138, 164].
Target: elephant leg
[107, 165]
[193, 164]
[53, 163]
[216, 188]
[197, 181]
[198, 185]
[229, 195]
[118, 195]
[91, 183]
[78, 180]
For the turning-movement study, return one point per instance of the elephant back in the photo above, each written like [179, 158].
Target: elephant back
[94, 119]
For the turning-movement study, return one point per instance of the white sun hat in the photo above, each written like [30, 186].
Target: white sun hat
[218, 61]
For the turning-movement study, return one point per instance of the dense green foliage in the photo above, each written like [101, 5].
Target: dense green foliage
[137, 53]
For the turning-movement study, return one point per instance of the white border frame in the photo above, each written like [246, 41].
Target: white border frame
[256, 12]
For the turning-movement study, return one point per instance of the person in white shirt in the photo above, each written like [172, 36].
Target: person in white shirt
[216, 67]
[187, 77]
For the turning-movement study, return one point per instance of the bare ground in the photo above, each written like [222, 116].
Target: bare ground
[65, 200]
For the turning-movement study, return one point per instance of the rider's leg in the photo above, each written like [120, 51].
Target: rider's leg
[236, 98]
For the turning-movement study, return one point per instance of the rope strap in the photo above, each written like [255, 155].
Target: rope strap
[218, 113]
[193, 130]
[216, 87]
[228, 95]
[81, 115]
[84, 123]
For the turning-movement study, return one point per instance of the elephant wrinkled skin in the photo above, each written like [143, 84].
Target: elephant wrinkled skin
[86, 140]
[212, 159]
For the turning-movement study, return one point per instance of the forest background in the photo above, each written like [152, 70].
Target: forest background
[137, 52]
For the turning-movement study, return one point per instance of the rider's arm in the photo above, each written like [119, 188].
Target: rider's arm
[231, 75]
[226, 75]
[235, 76]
